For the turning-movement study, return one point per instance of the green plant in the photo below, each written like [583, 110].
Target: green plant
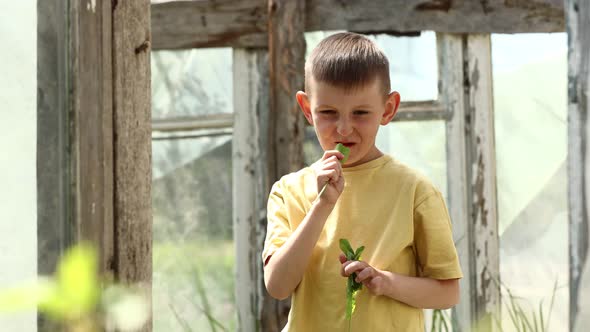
[524, 319]
[440, 321]
[352, 287]
[75, 297]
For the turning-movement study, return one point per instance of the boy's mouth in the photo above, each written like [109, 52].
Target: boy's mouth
[347, 144]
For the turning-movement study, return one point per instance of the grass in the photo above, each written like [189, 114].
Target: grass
[193, 286]
[523, 316]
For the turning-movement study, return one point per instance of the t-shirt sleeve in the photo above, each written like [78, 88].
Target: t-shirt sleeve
[278, 228]
[433, 239]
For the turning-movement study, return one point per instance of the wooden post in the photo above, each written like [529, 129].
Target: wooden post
[481, 170]
[286, 52]
[578, 24]
[132, 143]
[54, 215]
[249, 182]
[104, 88]
[286, 47]
[450, 60]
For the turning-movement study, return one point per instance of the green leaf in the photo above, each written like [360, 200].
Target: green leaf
[77, 286]
[344, 150]
[352, 287]
[359, 251]
[27, 296]
[347, 249]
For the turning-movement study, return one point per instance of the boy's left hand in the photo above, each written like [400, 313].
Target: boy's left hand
[374, 279]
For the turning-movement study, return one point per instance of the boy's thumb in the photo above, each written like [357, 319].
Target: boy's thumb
[342, 258]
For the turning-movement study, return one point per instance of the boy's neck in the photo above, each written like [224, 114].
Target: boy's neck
[372, 155]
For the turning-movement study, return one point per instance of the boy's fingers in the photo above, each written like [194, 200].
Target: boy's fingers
[332, 165]
[343, 268]
[366, 273]
[340, 184]
[372, 283]
[328, 175]
[330, 153]
[353, 266]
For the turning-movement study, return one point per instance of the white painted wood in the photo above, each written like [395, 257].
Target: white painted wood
[421, 111]
[210, 121]
[578, 25]
[249, 188]
[450, 61]
[481, 163]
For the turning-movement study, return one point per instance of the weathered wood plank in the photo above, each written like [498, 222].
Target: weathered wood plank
[458, 16]
[242, 23]
[286, 47]
[408, 111]
[54, 193]
[132, 143]
[192, 24]
[195, 122]
[249, 187]
[481, 168]
[450, 64]
[578, 25]
[421, 111]
[93, 126]
[53, 139]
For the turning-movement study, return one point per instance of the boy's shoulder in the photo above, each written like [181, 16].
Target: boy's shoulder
[295, 179]
[411, 177]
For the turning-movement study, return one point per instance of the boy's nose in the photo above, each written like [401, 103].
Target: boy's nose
[344, 127]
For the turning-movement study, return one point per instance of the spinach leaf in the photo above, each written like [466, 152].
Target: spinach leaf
[344, 150]
[352, 287]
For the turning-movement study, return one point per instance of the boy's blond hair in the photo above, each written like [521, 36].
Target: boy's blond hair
[349, 61]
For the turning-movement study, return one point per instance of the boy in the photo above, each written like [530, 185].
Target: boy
[409, 262]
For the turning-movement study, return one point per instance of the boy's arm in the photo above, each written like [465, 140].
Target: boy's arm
[285, 268]
[425, 293]
[419, 292]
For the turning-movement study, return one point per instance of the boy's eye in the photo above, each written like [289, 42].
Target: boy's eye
[360, 112]
[327, 112]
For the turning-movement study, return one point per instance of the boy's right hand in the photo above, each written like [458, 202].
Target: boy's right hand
[329, 170]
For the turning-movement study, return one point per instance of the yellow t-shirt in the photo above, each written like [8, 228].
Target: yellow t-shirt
[400, 218]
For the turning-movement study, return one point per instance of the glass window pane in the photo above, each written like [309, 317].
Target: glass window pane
[530, 100]
[191, 82]
[412, 62]
[420, 145]
[18, 125]
[192, 235]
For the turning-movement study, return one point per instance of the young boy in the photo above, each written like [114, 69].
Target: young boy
[409, 262]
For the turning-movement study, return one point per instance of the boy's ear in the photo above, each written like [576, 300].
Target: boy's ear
[304, 105]
[391, 107]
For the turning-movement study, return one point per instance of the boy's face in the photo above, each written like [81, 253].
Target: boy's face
[348, 117]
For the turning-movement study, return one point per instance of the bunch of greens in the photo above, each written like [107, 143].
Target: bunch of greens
[352, 287]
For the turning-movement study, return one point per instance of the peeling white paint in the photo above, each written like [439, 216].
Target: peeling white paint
[91, 6]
